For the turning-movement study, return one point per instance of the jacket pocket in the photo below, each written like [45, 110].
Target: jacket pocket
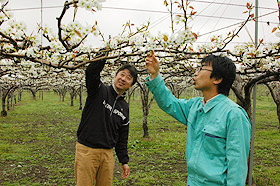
[214, 141]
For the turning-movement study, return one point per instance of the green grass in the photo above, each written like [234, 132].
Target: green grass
[267, 143]
[37, 145]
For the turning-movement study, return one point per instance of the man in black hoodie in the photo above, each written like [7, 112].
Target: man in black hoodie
[104, 125]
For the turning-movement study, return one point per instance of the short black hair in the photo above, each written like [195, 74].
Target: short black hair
[132, 70]
[224, 68]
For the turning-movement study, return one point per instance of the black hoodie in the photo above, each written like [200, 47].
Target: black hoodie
[105, 118]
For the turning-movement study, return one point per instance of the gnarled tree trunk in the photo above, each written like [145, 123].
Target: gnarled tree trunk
[146, 105]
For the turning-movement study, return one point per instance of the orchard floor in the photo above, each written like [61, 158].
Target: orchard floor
[37, 145]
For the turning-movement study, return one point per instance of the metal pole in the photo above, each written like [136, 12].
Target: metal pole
[254, 103]
[42, 23]
[1, 97]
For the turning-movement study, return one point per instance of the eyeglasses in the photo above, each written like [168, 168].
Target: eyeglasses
[201, 68]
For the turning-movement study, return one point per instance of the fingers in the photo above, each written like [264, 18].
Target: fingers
[152, 64]
[151, 58]
[154, 59]
[125, 172]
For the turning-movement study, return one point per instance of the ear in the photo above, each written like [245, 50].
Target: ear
[218, 81]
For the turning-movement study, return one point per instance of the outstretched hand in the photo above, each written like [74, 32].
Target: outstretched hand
[152, 64]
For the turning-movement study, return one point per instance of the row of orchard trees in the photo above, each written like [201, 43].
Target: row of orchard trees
[34, 77]
[67, 51]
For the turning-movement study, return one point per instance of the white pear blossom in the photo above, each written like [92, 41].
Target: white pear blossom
[91, 4]
[3, 1]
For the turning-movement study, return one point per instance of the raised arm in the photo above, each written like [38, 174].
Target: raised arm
[93, 75]
[177, 108]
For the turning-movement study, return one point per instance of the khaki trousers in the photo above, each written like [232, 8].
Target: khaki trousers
[94, 166]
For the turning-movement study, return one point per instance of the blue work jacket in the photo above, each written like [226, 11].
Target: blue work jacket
[218, 136]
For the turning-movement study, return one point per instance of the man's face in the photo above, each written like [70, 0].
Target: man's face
[123, 80]
[202, 80]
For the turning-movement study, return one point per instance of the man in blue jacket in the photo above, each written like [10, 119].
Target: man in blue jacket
[104, 125]
[218, 130]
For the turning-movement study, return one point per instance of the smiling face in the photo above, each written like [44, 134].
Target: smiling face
[123, 81]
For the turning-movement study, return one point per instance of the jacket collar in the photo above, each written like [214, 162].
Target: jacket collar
[115, 92]
[213, 102]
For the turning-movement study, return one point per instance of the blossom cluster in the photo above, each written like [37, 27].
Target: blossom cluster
[15, 29]
[90, 4]
[248, 51]
[5, 15]
[147, 41]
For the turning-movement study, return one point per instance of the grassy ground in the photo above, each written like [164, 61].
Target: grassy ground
[37, 145]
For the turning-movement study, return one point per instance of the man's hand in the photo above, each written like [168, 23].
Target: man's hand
[152, 64]
[125, 172]
[102, 54]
